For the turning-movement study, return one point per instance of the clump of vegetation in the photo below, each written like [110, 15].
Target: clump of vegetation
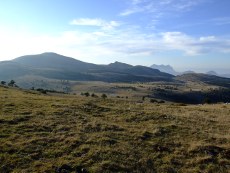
[104, 96]
[153, 101]
[87, 94]
[3, 82]
[94, 95]
[143, 98]
[156, 101]
[12, 83]
[207, 100]
[43, 91]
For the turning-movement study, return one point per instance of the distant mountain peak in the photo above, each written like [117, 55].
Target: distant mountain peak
[164, 68]
[120, 65]
[50, 53]
[189, 72]
[212, 73]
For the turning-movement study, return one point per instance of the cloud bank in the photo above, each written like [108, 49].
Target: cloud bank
[161, 7]
[110, 40]
[95, 22]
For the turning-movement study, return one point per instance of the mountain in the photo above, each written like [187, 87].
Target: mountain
[169, 69]
[164, 68]
[119, 65]
[55, 66]
[54, 61]
[212, 73]
[188, 72]
[136, 70]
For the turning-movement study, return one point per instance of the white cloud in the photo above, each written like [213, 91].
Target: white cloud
[220, 21]
[87, 22]
[195, 46]
[95, 22]
[162, 7]
[208, 39]
[134, 2]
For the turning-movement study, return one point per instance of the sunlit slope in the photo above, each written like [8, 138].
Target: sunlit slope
[57, 133]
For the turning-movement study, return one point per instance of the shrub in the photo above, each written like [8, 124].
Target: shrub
[3, 82]
[94, 95]
[156, 101]
[11, 83]
[153, 101]
[207, 100]
[87, 94]
[104, 96]
[41, 90]
[162, 101]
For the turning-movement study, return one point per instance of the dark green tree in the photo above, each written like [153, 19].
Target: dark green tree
[93, 95]
[143, 98]
[87, 94]
[104, 96]
[11, 83]
[207, 100]
[3, 83]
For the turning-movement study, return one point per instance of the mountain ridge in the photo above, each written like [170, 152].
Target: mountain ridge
[59, 67]
[55, 66]
[169, 69]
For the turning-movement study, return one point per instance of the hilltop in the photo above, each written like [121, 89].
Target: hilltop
[165, 68]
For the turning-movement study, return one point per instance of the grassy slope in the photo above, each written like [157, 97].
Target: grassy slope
[43, 133]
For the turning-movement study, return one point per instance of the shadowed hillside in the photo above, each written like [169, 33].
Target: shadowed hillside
[54, 66]
[9, 70]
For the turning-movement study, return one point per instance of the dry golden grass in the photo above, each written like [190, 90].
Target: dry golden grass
[71, 133]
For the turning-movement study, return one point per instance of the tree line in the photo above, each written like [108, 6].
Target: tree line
[11, 83]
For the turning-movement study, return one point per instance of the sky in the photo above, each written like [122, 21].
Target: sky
[186, 34]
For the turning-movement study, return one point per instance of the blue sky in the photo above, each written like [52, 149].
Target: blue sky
[187, 34]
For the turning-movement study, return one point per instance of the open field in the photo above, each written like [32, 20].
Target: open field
[189, 89]
[171, 92]
[73, 133]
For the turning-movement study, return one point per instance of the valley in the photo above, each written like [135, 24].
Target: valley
[115, 86]
[54, 72]
[61, 115]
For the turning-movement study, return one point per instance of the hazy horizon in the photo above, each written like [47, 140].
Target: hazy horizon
[186, 34]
